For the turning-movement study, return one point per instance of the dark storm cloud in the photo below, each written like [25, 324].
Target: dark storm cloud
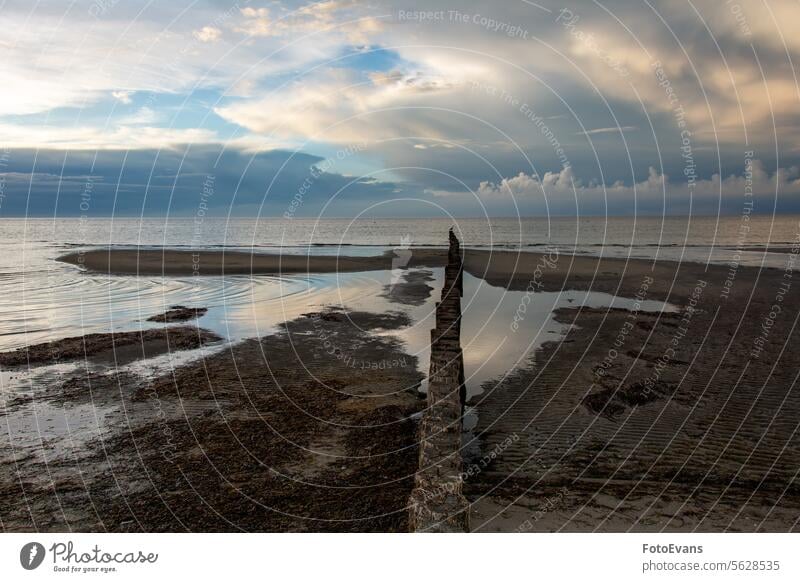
[480, 93]
[151, 182]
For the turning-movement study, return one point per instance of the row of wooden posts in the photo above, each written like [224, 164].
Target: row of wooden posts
[437, 502]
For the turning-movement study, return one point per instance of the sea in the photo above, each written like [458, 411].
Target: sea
[42, 299]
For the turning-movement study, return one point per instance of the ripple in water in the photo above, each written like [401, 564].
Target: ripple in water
[53, 300]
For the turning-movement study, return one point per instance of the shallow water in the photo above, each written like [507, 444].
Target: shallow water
[42, 299]
[54, 300]
[493, 349]
[583, 232]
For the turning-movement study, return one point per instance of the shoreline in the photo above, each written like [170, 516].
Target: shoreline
[119, 347]
[620, 425]
[498, 267]
[170, 262]
[240, 440]
[648, 422]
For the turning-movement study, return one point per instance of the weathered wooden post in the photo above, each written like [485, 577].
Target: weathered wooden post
[437, 503]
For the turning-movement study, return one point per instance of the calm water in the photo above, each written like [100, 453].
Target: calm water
[585, 233]
[42, 299]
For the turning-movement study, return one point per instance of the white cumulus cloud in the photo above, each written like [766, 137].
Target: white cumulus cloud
[208, 34]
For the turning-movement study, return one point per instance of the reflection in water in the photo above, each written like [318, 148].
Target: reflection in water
[63, 302]
[56, 300]
[492, 349]
[53, 301]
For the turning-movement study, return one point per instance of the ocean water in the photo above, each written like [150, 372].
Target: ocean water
[42, 299]
[646, 236]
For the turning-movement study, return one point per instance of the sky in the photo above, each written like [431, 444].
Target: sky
[345, 108]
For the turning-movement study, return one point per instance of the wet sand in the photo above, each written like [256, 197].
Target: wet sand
[647, 422]
[278, 434]
[634, 421]
[500, 268]
[172, 262]
[179, 313]
[121, 347]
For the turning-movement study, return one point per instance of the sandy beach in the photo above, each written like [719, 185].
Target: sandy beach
[328, 438]
[178, 262]
[646, 422]
[633, 421]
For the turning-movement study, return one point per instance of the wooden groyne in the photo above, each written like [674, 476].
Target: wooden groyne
[437, 503]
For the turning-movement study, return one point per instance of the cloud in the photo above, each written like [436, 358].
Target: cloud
[153, 182]
[122, 96]
[564, 191]
[143, 116]
[35, 95]
[338, 108]
[43, 178]
[53, 61]
[456, 99]
[460, 82]
[208, 34]
[334, 16]
[609, 130]
[121, 137]
[256, 22]
[718, 65]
